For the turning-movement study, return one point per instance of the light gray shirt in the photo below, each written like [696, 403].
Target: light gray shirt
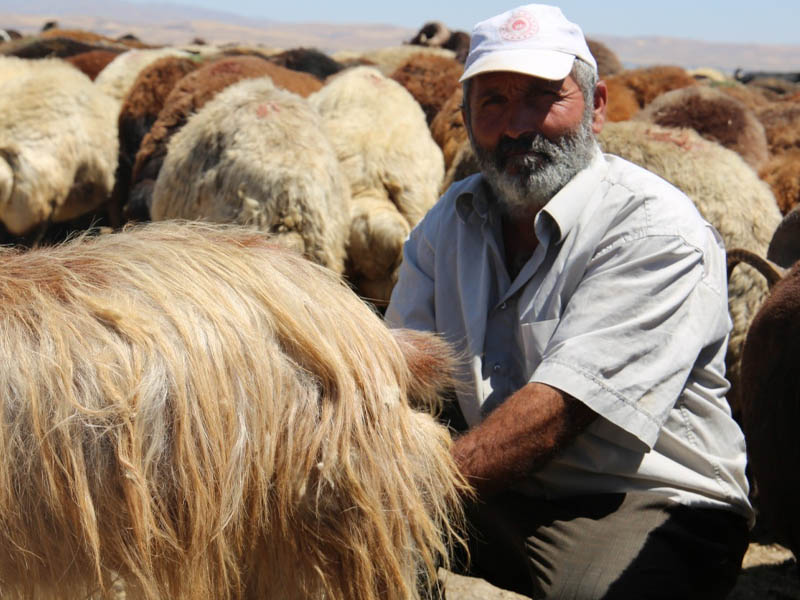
[623, 305]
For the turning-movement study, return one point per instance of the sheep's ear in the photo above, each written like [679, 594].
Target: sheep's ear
[431, 363]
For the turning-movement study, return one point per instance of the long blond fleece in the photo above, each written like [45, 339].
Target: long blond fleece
[208, 416]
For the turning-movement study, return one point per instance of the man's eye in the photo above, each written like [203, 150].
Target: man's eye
[493, 100]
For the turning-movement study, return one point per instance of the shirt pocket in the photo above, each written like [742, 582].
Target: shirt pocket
[535, 338]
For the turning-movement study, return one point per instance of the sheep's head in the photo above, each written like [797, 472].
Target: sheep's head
[434, 33]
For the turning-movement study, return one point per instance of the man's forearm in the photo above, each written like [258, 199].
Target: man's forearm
[519, 436]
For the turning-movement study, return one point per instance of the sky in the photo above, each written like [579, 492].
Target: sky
[762, 21]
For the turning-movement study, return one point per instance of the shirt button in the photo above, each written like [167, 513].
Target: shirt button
[497, 367]
[503, 306]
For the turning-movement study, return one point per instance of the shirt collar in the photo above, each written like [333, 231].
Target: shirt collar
[566, 206]
[476, 198]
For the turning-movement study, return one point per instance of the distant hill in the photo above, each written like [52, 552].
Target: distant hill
[164, 23]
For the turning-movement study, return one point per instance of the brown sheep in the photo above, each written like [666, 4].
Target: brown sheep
[464, 164]
[204, 416]
[432, 80]
[607, 61]
[771, 413]
[775, 87]
[186, 98]
[752, 97]
[139, 111]
[447, 127]
[649, 82]
[784, 247]
[622, 102]
[781, 121]
[782, 173]
[715, 116]
[92, 62]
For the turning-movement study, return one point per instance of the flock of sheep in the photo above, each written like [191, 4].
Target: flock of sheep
[156, 464]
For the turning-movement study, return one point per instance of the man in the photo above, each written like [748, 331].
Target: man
[589, 297]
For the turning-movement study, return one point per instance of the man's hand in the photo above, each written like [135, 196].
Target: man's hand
[519, 436]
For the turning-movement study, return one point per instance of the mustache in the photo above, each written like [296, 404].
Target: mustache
[509, 147]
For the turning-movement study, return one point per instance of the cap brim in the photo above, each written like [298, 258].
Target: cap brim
[547, 64]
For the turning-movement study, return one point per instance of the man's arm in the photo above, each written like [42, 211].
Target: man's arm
[519, 436]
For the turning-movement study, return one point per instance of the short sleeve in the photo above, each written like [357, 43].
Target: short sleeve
[632, 331]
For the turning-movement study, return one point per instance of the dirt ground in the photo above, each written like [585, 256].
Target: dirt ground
[769, 572]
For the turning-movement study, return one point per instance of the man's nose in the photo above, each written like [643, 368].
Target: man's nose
[523, 119]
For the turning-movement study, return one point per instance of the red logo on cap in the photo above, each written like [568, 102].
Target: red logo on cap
[520, 26]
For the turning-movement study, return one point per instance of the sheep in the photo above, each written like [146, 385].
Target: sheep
[387, 154]
[728, 194]
[748, 76]
[387, 60]
[139, 111]
[781, 121]
[58, 143]
[205, 416]
[784, 247]
[79, 35]
[7, 35]
[28, 47]
[308, 60]
[431, 80]
[715, 116]
[771, 412]
[709, 75]
[447, 127]
[256, 155]
[435, 34]
[92, 62]
[432, 34]
[187, 97]
[464, 164]
[118, 76]
[782, 173]
[622, 101]
[751, 96]
[775, 87]
[607, 61]
[650, 82]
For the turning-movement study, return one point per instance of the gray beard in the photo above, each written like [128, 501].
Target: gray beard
[539, 176]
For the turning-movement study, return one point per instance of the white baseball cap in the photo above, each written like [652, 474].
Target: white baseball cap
[535, 39]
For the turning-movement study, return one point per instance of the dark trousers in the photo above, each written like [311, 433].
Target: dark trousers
[611, 546]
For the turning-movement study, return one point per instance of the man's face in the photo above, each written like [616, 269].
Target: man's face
[530, 136]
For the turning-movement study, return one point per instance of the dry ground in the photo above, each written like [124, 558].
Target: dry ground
[769, 572]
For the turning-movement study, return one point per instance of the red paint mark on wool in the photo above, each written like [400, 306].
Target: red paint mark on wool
[264, 110]
[678, 138]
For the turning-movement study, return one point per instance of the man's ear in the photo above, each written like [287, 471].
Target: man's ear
[600, 103]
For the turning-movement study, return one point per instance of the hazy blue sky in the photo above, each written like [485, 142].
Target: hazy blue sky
[762, 21]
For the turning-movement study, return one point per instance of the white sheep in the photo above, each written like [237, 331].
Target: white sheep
[256, 155]
[58, 143]
[387, 153]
